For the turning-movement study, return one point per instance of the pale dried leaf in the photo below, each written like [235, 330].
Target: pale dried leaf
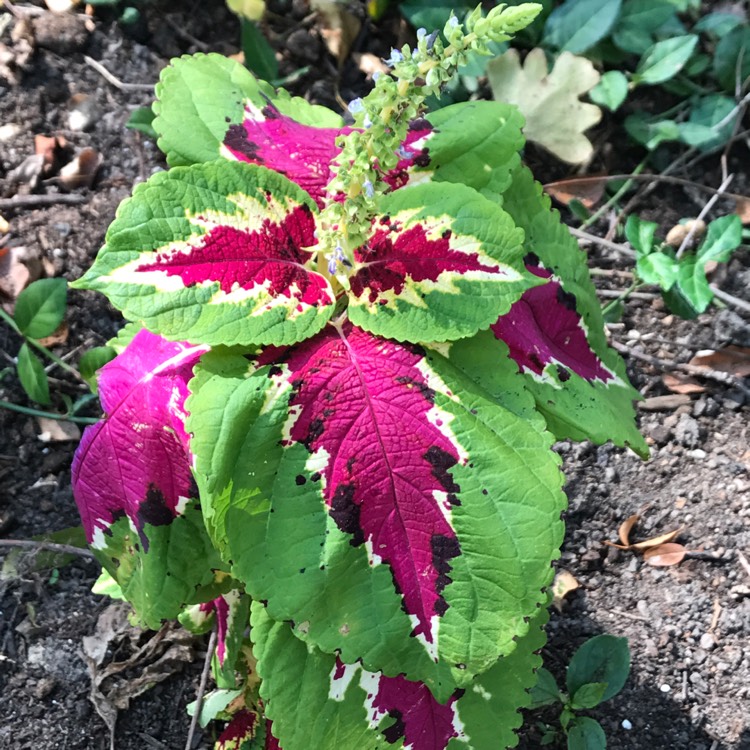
[82, 170]
[682, 384]
[555, 118]
[58, 336]
[665, 555]
[732, 359]
[742, 209]
[656, 541]
[369, 64]
[338, 27]
[57, 430]
[564, 583]
[626, 527]
[586, 190]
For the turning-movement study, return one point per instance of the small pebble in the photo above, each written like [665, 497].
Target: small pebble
[626, 725]
[707, 641]
[665, 688]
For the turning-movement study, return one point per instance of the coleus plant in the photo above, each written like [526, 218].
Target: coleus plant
[328, 431]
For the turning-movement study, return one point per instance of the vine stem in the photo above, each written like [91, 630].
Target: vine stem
[67, 549]
[46, 414]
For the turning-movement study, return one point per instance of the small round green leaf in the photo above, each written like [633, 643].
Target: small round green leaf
[91, 361]
[32, 376]
[611, 90]
[586, 734]
[589, 695]
[40, 307]
[545, 691]
[730, 49]
[665, 59]
[577, 25]
[604, 658]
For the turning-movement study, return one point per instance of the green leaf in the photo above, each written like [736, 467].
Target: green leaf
[586, 734]
[732, 48]
[91, 361]
[639, 20]
[199, 97]
[545, 692]
[32, 376]
[577, 25]
[218, 253]
[262, 493]
[432, 15]
[658, 268]
[213, 705]
[574, 407]
[650, 132]
[718, 24]
[701, 128]
[142, 119]
[40, 308]
[446, 264]
[723, 237]
[640, 234]
[604, 658]
[259, 55]
[611, 91]
[588, 695]
[176, 567]
[476, 144]
[665, 59]
[106, 585]
[315, 700]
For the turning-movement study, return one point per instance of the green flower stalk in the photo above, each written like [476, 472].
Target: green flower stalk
[382, 119]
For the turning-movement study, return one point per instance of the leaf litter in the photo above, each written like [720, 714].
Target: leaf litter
[659, 550]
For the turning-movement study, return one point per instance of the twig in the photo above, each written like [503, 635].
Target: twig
[715, 616]
[67, 549]
[614, 294]
[46, 414]
[629, 615]
[743, 562]
[39, 201]
[201, 690]
[701, 372]
[114, 80]
[592, 238]
[709, 205]
[187, 36]
[729, 298]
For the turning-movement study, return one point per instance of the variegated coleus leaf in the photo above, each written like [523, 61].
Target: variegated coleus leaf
[247, 731]
[441, 263]
[375, 468]
[201, 97]
[133, 485]
[316, 700]
[555, 332]
[218, 253]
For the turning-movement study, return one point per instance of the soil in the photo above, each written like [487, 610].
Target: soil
[687, 625]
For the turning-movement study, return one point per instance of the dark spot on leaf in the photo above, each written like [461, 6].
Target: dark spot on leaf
[420, 123]
[566, 299]
[396, 731]
[299, 480]
[447, 234]
[345, 512]
[236, 140]
[315, 431]
[315, 477]
[444, 548]
[531, 259]
[563, 374]
[270, 112]
[484, 492]
[302, 570]
[426, 392]
[441, 462]
[274, 371]
[153, 511]
[422, 159]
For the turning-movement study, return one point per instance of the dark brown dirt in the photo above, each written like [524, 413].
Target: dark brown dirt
[687, 625]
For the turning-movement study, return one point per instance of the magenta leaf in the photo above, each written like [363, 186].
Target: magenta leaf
[544, 327]
[135, 462]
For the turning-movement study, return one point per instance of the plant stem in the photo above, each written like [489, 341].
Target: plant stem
[621, 298]
[616, 197]
[46, 414]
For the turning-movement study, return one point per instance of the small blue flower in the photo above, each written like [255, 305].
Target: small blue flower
[453, 22]
[332, 265]
[395, 58]
[367, 122]
[369, 189]
[376, 75]
[421, 33]
[356, 106]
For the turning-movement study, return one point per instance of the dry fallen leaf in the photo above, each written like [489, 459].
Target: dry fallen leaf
[555, 118]
[585, 190]
[57, 430]
[732, 359]
[564, 583]
[623, 532]
[81, 172]
[50, 148]
[338, 27]
[369, 64]
[665, 554]
[58, 336]
[682, 384]
[742, 209]
[19, 266]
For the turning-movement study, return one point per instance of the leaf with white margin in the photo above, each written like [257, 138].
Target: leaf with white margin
[316, 700]
[370, 492]
[133, 485]
[440, 264]
[217, 253]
